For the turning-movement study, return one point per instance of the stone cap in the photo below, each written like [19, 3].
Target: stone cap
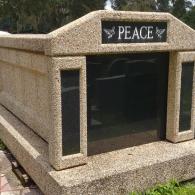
[83, 36]
[32, 42]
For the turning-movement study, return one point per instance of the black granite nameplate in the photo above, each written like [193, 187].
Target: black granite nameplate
[133, 32]
[186, 96]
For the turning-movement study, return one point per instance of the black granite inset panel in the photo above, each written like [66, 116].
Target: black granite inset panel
[70, 112]
[126, 97]
[186, 96]
[133, 32]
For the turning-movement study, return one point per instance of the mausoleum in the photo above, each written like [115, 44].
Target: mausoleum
[102, 105]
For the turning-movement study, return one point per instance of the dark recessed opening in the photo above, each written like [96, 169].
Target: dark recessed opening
[126, 100]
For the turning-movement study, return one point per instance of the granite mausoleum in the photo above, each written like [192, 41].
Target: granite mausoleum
[103, 105]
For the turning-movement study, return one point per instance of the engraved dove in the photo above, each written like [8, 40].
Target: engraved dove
[159, 32]
[110, 32]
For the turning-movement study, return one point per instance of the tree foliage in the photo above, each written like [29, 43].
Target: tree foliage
[163, 5]
[182, 9]
[189, 18]
[134, 5]
[43, 16]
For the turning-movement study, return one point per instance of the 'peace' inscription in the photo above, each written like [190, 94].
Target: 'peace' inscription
[133, 32]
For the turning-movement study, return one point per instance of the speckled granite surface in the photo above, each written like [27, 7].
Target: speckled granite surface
[55, 143]
[174, 91]
[83, 36]
[30, 68]
[30, 88]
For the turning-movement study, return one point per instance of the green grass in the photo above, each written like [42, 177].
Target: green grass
[2, 146]
[170, 188]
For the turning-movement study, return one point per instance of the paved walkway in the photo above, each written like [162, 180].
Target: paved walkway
[9, 183]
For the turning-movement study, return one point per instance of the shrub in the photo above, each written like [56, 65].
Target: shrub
[170, 188]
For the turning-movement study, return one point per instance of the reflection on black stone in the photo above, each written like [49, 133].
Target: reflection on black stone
[186, 96]
[70, 112]
[126, 100]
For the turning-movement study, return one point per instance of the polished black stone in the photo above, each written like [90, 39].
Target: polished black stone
[127, 100]
[133, 32]
[70, 112]
[186, 96]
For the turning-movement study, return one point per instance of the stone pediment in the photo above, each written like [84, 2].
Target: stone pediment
[84, 36]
